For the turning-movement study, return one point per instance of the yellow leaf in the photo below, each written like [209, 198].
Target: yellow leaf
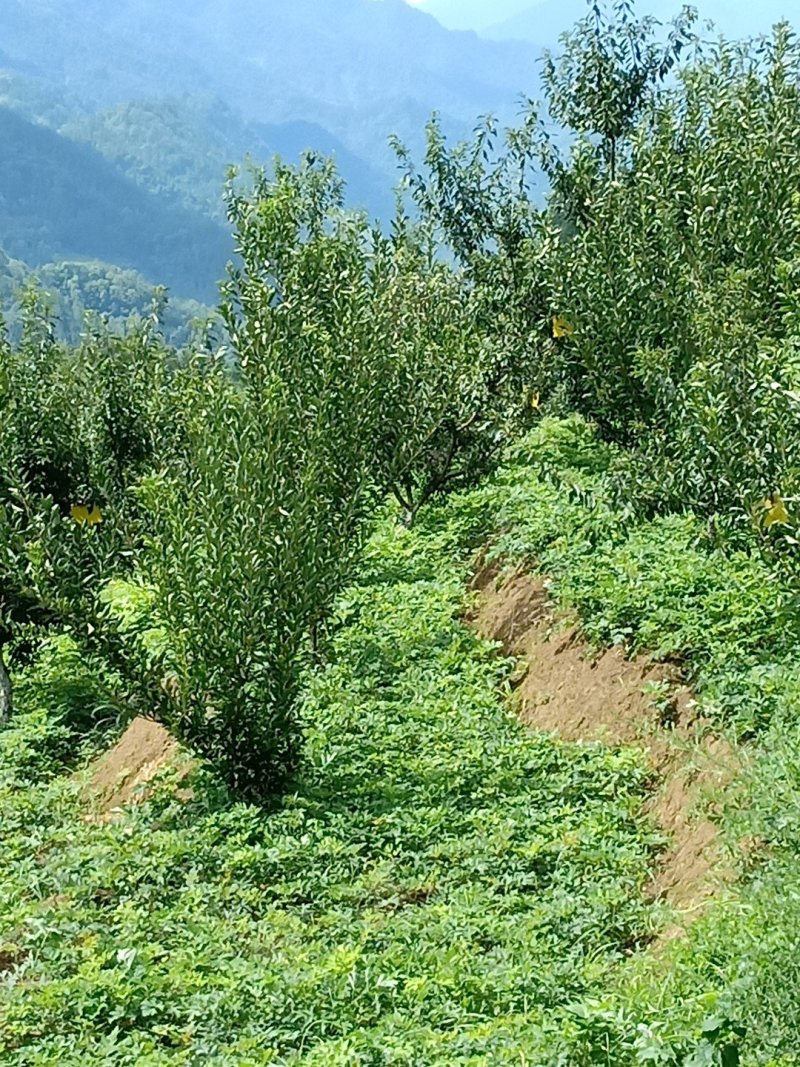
[535, 401]
[775, 511]
[562, 327]
[86, 514]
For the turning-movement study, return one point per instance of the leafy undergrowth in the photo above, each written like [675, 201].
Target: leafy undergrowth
[441, 887]
[733, 623]
[439, 883]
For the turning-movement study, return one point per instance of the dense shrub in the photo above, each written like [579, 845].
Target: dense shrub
[680, 286]
[351, 372]
[482, 203]
[657, 290]
[77, 429]
[440, 426]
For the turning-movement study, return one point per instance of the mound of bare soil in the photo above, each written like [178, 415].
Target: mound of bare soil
[564, 687]
[124, 774]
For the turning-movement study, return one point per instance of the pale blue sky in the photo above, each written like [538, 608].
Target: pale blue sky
[733, 17]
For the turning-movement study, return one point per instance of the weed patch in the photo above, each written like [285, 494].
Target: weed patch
[439, 883]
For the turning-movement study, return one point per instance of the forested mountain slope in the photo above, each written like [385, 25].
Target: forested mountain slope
[119, 122]
[359, 68]
[74, 287]
[182, 146]
[61, 200]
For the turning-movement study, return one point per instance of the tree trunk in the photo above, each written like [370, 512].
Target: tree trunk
[5, 692]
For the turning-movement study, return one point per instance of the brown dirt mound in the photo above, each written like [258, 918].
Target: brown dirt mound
[121, 776]
[564, 687]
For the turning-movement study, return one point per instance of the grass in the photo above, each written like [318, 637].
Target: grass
[437, 885]
[441, 886]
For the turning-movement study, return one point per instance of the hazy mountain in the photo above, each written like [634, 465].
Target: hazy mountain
[118, 119]
[360, 69]
[183, 146]
[61, 200]
[471, 14]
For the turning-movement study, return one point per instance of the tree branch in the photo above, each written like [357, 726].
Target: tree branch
[5, 692]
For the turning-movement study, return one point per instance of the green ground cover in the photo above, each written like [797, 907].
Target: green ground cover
[440, 886]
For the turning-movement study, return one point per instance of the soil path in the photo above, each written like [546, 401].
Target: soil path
[564, 687]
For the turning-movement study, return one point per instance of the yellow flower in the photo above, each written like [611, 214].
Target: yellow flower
[530, 398]
[775, 511]
[562, 327]
[86, 514]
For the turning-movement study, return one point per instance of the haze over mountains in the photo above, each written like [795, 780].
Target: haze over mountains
[545, 22]
[118, 120]
[542, 22]
[361, 69]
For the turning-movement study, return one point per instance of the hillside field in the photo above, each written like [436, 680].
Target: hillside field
[402, 669]
[443, 885]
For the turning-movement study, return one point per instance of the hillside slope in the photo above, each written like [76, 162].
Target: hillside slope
[360, 68]
[61, 200]
[442, 885]
[182, 146]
